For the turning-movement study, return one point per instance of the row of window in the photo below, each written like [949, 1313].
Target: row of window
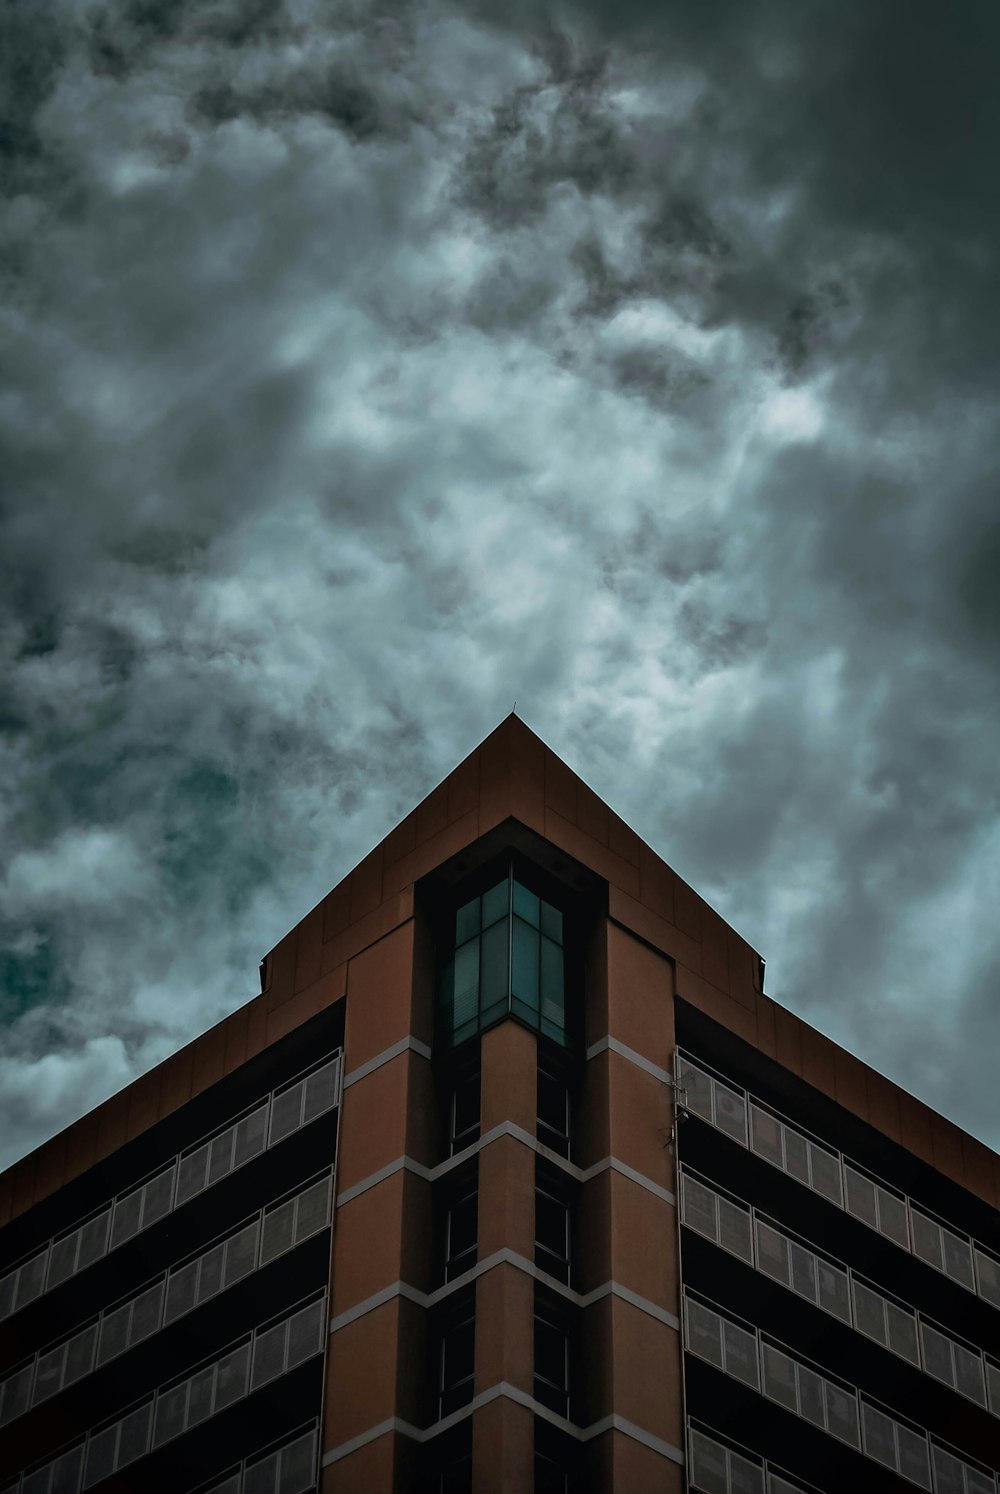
[175, 1409]
[828, 1404]
[739, 1229]
[278, 1228]
[824, 1170]
[715, 1468]
[290, 1469]
[183, 1179]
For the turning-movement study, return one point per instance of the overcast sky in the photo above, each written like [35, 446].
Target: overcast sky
[367, 366]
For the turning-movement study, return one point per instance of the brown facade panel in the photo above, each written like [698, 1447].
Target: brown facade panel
[308, 949]
[505, 1300]
[640, 1112]
[367, 1244]
[379, 997]
[640, 997]
[619, 1462]
[506, 1198]
[647, 1372]
[361, 1375]
[369, 1470]
[643, 1231]
[502, 1448]
[509, 1066]
[373, 1122]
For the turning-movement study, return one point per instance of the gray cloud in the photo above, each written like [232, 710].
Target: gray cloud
[367, 367]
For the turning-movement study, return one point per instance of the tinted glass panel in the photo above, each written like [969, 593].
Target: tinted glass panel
[524, 964]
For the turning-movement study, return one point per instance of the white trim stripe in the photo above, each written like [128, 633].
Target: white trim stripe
[611, 1044]
[500, 1258]
[609, 1423]
[408, 1043]
[506, 1128]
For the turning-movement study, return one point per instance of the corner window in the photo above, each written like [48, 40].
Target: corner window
[551, 1359]
[463, 1110]
[552, 1224]
[461, 1228]
[553, 1106]
[506, 959]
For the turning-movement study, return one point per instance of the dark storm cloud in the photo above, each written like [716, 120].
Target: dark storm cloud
[368, 366]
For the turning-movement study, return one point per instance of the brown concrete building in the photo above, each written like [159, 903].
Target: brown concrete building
[511, 1179]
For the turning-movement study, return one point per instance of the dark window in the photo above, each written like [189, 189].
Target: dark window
[551, 1361]
[552, 1231]
[457, 1358]
[553, 1110]
[461, 1228]
[506, 958]
[463, 1116]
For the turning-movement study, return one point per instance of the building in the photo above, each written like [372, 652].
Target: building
[511, 1178]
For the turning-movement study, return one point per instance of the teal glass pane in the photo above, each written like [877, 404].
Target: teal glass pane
[554, 1030]
[495, 973]
[528, 1014]
[524, 964]
[526, 905]
[552, 922]
[465, 1006]
[467, 922]
[553, 1005]
[496, 903]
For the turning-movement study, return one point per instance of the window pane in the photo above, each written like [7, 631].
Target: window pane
[278, 1234]
[133, 1441]
[772, 1252]
[496, 903]
[465, 1110]
[220, 1155]
[695, 1090]
[524, 964]
[100, 1456]
[114, 1332]
[305, 1333]
[914, 1462]
[869, 1312]
[704, 1332]
[462, 1228]
[465, 994]
[157, 1197]
[191, 1174]
[467, 922]
[842, 1413]
[927, 1240]
[62, 1259]
[811, 1400]
[803, 1272]
[765, 1136]
[708, 1461]
[495, 975]
[779, 1377]
[796, 1155]
[269, 1354]
[902, 1332]
[892, 1218]
[741, 1354]
[200, 1395]
[146, 1313]
[552, 923]
[833, 1290]
[231, 1382]
[210, 1272]
[730, 1113]
[170, 1407]
[48, 1377]
[527, 905]
[297, 1463]
[880, 1443]
[126, 1220]
[286, 1113]
[826, 1174]
[860, 1197]
[553, 1002]
[241, 1255]
[251, 1134]
[182, 1290]
[80, 1355]
[988, 1272]
[958, 1260]
[734, 1230]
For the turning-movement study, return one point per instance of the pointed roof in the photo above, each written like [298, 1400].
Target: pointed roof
[512, 776]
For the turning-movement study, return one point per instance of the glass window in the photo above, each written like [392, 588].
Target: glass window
[507, 957]
[464, 1111]
[553, 1111]
[457, 1359]
[552, 1234]
[551, 1364]
[461, 1232]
